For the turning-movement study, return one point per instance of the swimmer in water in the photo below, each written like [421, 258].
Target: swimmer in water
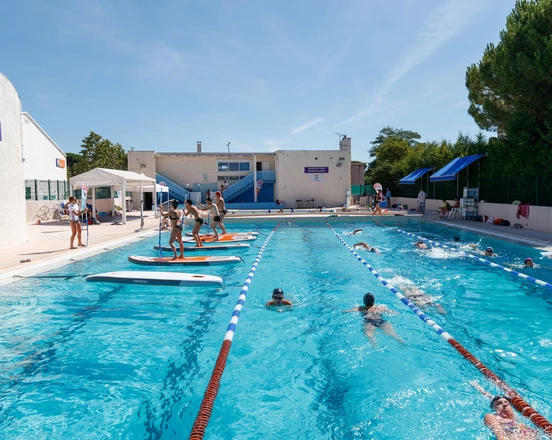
[421, 299]
[503, 421]
[356, 231]
[373, 319]
[278, 299]
[528, 263]
[420, 244]
[365, 246]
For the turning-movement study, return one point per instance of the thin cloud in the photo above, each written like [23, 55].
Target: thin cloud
[440, 26]
[306, 126]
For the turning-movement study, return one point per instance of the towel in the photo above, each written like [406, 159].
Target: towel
[523, 210]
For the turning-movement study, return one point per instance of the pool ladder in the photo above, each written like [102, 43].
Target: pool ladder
[428, 214]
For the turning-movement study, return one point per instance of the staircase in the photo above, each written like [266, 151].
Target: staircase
[247, 183]
[175, 190]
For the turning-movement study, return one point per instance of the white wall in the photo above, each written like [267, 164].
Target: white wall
[40, 153]
[13, 228]
[540, 217]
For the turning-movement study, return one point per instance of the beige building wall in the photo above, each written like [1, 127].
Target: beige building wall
[328, 189]
[13, 228]
[142, 162]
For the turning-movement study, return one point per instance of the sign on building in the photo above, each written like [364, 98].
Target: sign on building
[316, 170]
[60, 163]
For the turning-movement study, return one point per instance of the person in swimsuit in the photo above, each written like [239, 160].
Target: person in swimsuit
[74, 221]
[373, 319]
[420, 244]
[174, 216]
[193, 211]
[278, 299]
[219, 201]
[365, 246]
[421, 299]
[215, 217]
[503, 422]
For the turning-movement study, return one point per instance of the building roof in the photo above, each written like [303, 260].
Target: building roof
[30, 118]
[205, 154]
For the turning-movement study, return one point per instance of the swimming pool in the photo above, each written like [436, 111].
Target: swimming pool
[87, 360]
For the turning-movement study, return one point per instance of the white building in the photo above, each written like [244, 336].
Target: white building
[13, 228]
[44, 163]
[297, 178]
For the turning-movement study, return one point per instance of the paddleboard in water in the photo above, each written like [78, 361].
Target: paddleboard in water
[232, 234]
[224, 239]
[204, 260]
[177, 279]
[208, 247]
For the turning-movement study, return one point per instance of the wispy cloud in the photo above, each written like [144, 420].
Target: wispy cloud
[306, 126]
[441, 25]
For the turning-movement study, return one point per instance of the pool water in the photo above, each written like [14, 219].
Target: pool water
[94, 360]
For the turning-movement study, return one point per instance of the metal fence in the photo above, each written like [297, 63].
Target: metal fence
[536, 190]
[46, 189]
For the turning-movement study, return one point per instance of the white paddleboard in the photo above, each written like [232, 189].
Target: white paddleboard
[203, 260]
[207, 247]
[178, 279]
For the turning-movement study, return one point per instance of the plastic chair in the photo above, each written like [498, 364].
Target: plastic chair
[454, 212]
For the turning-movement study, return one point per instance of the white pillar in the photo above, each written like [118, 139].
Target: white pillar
[123, 198]
[255, 179]
[156, 213]
[94, 202]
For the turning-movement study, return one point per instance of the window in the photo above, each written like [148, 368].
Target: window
[27, 193]
[234, 178]
[234, 166]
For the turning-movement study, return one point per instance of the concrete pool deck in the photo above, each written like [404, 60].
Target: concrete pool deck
[48, 244]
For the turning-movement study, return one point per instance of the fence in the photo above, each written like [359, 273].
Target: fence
[46, 189]
[536, 190]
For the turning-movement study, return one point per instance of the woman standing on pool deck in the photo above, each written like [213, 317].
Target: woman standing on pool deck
[192, 210]
[176, 225]
[74, 221]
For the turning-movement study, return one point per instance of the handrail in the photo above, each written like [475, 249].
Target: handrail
[428, 212]
[178, 191]
[247, 182]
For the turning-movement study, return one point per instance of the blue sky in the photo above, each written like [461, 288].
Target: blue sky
[161, 75]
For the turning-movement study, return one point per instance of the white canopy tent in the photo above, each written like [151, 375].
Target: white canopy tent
[119, 180]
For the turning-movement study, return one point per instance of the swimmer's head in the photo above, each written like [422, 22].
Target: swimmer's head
[369, 300]
[208, 200]
[277, 291]
[529, 262]
[489, 250]
[174, 203]
[189, 202]
[277, 295]
[456, 238]
[497, 399]
[372, 249]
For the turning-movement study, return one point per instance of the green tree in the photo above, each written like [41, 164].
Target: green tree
[510, 89]
[97, 152]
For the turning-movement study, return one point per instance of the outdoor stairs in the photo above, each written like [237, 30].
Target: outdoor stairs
[247, 183]
[175, 190]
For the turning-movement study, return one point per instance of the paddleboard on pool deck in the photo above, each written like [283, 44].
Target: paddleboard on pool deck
[204, 260]
[207, 247]
[189, 234]
[178, 279]
[223, 239]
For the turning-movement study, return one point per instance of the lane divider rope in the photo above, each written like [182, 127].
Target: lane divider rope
[517, 402]
[512, 272]
[206, 407]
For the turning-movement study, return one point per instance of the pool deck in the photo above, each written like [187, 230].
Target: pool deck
[48, 244]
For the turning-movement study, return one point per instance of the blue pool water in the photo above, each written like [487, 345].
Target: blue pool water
[87, 360]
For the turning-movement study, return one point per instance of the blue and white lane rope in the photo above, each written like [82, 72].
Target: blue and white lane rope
[512, 272]
[204, 413]
[517, 401]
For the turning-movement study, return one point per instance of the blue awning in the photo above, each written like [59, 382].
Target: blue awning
[411, 178]
[449, 171]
